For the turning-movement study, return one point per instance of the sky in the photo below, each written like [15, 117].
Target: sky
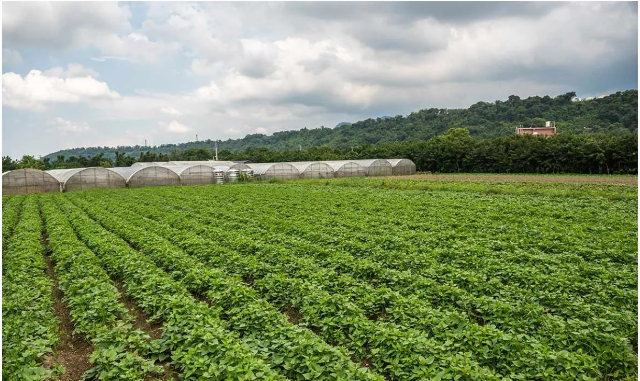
[80, 74]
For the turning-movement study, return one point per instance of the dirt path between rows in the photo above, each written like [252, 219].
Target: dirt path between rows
[615, 180]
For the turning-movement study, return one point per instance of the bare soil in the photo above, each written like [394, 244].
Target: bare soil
[293, 314]
[153, 329]
[528, 178]
[73, 351]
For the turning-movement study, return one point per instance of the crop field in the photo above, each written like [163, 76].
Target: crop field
[345, 279]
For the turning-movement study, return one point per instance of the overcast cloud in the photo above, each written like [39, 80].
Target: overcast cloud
[89, 74]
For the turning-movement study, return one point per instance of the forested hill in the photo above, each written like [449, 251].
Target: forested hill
[616, 113]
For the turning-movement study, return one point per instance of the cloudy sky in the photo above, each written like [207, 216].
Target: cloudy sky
[88, 74]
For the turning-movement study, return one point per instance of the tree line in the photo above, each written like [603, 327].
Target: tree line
[613, 114]
[455, 151]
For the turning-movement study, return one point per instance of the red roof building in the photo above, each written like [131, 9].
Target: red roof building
[548, 130]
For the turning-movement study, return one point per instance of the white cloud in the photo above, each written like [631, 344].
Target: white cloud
[135, 47]
[73, 70]
[68, 127]
[61, 24]
[11, 57]
[170, 111]
[36, 90]
[175, 127]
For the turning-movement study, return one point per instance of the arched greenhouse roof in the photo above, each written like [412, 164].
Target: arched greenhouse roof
[376, 167]
[88, 178]
[148, 176]
[346, 168]
[274, 170]
[402, 166]
[313, 169]
[28, 180]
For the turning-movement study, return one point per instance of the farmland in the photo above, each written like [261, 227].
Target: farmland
[343, 279]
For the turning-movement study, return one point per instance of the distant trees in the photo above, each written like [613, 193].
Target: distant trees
[455, 151]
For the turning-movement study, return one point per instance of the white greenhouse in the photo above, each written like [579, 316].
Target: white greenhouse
[345, 168]
[27, 180]
[194, 174]
[402, 167]
[147, 176]
[376, 167]
[77, 179]
[313, 169]
[265, 171]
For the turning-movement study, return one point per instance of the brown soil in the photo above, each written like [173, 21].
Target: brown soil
[153, 329]
[293, 314]
[528, 178]
[73, 351]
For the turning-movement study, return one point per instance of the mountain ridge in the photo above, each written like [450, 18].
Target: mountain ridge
[615, 113]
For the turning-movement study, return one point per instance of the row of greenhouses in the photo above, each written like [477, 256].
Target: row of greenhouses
[23, 181]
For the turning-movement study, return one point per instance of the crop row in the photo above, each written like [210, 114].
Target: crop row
[198, 342]
[597, 336]
[511, 356]
[416, 245]
[120, 351]
[10, 217]
[562, 293]
[294, 351]
[399, 352]
[566, 296]
[29, 325]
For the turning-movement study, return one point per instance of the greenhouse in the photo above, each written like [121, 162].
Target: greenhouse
[203, 162]
[77, 179]
[376, 167]
[313, 169]
[24, 181]
[343, 168]
[193, 174]
[147, 176]
[265, 171]
[151, 164]
[402, 167]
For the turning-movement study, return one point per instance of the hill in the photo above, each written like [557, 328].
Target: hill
[616, 113]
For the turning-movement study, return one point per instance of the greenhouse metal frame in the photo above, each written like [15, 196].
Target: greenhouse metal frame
[346, 168]
[152, 176]
[266, 171]
[402, 167]
[77, 179]
[313, 169]
[29, 180]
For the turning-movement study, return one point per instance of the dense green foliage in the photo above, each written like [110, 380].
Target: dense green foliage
[29, 326]
[348, 279]
[616, 114]
[455, 151]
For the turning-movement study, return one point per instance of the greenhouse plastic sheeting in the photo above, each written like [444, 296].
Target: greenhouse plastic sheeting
[194, 174]
[402, 166]
[265, 171]
[149, 164]
[27, 180]
[345, 168]
[376, 167]
[313, 169]
[87, 178]
[148, 176]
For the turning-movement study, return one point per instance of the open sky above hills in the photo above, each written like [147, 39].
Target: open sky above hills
[107, 74]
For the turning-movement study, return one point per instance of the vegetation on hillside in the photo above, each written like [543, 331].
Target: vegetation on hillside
[455, 151]
[614, 114]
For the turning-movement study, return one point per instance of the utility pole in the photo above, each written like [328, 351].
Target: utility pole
[145, 143]
[216, 147]
[196, 137]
